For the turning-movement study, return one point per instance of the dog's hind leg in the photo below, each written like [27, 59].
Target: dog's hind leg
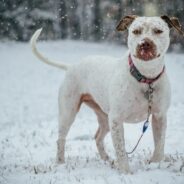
[103, 124]
[68, 108]
[101, 133]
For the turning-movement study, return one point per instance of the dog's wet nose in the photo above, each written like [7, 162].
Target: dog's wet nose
[146, 44]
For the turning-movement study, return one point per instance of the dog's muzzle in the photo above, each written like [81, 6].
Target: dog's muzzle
[146, 50]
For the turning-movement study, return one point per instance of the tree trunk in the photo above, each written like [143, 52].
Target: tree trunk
[63, 18]
[97, 21]
[74, 20]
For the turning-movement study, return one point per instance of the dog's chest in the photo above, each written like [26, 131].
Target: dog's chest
[133, 104]
[137, 107]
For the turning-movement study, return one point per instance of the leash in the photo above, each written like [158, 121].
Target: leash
[149, 96]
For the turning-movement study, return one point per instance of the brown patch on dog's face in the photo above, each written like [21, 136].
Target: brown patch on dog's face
[173, 22]
[125, 22]
[146, 50]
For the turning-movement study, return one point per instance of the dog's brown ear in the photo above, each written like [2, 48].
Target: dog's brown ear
[173, 22]
[125, 22]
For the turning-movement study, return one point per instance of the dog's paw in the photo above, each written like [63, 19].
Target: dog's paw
[156, 158]
[122, 168]
[60, 160]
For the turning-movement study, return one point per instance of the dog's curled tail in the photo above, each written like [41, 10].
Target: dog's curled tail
[40, 56]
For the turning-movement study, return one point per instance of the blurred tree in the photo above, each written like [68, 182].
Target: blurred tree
[74, 22]
[19, 18]
[9, 26]
[97, 21]
[85, 18]
[120, 10]
[63, 16]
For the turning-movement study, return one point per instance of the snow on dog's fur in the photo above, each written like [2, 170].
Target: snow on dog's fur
[106, 85]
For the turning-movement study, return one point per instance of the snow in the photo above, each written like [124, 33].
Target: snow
[28, 123]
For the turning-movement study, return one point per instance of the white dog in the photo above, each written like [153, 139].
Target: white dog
[118, 90]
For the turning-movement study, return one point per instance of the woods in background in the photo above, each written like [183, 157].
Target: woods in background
[93, 20]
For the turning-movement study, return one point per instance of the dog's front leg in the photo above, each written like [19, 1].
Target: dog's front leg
[117, 133]
[159, 124]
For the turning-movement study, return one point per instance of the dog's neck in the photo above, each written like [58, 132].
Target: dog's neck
[149, 69]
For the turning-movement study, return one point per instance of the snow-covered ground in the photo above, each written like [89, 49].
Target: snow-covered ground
[28, 123]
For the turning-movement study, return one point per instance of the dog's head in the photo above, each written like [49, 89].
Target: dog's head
[148, 37]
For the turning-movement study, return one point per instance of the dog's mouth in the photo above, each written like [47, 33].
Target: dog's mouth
[146, 51]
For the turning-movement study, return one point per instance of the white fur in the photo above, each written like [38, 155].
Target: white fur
[119, 95]
[40, 56]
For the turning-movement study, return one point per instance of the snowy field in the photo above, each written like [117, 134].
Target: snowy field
[28, 123]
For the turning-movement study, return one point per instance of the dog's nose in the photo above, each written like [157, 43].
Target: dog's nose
[146, 44]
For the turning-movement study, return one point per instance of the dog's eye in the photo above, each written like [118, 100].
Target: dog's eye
[157, 31]
[137, 31]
